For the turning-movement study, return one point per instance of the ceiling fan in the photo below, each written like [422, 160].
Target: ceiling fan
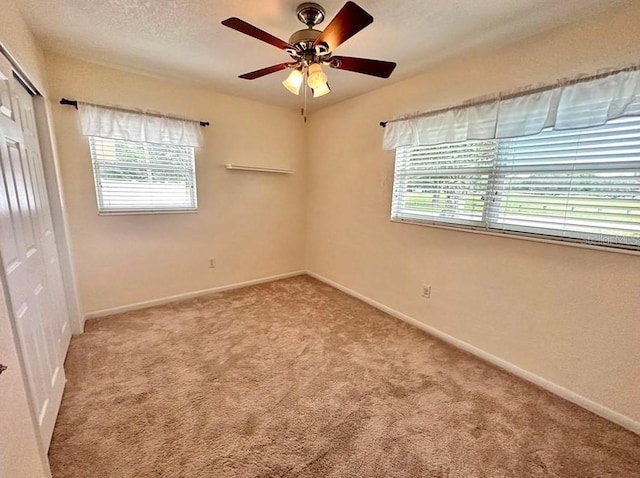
[310, 48]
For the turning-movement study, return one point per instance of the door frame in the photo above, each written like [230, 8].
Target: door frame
[52, 178]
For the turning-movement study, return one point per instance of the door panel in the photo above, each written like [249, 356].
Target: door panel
[60, 332]
[9, 230]
[29, 255]
[16, 163]
[5, 95]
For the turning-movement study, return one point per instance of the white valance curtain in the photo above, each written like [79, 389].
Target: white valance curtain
[115, 123]
[579, 105]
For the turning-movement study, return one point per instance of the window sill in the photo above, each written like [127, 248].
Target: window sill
[523, 236]
[146, 212]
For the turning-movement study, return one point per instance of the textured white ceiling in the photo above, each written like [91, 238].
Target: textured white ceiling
[184, 39]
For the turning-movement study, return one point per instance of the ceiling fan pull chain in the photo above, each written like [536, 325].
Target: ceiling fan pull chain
[305, 94]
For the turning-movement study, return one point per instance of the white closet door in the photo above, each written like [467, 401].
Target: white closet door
[29, 254]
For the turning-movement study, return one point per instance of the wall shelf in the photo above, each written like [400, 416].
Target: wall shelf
[239, 167]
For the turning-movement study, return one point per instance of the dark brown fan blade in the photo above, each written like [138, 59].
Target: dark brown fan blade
[266, 71]
[382, 69]
[349, 21]
[248, 29]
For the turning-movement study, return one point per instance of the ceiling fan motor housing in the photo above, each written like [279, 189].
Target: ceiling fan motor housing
[303, 40]
[310, 14]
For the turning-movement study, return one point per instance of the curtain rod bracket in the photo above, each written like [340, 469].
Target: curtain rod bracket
[67, 102]
[74, 103]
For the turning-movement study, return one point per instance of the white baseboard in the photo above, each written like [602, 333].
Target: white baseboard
[188, 295]
[556, 389]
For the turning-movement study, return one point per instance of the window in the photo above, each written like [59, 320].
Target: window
[142, 162]
[134, 176]
[580, 185]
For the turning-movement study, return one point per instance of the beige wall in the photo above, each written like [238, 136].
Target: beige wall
[19, 450]
[17, 38]
[252, 223]
[566, 314]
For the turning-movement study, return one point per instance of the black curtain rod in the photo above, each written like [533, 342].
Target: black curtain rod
[74, 103]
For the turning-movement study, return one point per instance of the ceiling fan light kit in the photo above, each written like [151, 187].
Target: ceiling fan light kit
[294, 81]
[316, 77]
[323, 90]
[310, 48]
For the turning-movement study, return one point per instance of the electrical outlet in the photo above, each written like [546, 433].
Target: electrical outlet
[426, 291]
[212, 263]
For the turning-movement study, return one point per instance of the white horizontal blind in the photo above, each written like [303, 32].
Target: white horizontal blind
[578, 185]
[443, 183]
[132, 176]
[582, 184]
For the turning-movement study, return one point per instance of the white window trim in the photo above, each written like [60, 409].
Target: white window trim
[139, 211]
[406, 170]
[484, 227]
[147, 212]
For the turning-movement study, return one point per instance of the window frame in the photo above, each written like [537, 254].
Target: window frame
[610, 243]
[96, 164]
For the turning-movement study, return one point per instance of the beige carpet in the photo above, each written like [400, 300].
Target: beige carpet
[296, 379]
